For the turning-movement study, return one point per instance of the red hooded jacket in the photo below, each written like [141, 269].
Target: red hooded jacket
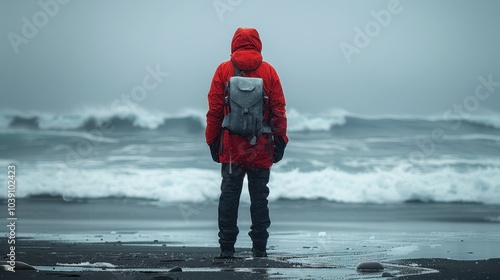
[246, 54]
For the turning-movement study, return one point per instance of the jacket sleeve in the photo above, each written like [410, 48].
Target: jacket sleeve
[215, 112]
[277, 105]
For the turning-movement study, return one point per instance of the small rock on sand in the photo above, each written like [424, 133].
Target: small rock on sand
[370, 267]
[176, 269]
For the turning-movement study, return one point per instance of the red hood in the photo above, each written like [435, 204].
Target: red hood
[246, 49]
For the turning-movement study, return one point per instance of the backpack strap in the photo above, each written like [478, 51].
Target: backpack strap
[237, 72]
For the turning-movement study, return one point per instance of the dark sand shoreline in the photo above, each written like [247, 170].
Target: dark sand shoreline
[57, 260]
[455, 269]
[136, 239]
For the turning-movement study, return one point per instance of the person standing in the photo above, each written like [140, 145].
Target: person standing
[240, 155]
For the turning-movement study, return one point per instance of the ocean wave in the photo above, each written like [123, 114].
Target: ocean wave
[194, 120]
[315, 122]
[90, 119]
[383, 185]
[394, 185]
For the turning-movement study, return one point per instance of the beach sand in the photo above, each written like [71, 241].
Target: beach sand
[141, 239]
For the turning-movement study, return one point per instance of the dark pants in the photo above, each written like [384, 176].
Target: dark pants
[229, 202]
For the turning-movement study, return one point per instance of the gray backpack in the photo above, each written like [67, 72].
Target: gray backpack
[244, 101]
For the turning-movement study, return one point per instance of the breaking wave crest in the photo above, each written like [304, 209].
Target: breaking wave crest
[197, 185]
[194, 120]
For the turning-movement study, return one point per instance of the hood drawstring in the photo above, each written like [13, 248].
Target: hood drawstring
[230, 156]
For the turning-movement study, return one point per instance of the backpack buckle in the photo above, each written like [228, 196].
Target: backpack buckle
[253, 141]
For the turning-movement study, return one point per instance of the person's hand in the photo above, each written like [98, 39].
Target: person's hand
[279, 148]
[214, 150]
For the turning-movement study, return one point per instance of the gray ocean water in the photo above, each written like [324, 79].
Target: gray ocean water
[339, 157]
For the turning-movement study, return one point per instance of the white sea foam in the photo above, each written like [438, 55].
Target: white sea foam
[61, 133]
[444, 161]
[403, 250]
[390, 185]
[88, 264]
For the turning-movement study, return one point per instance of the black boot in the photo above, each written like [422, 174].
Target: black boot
[226, 250]
[226, 254]
[259, 251]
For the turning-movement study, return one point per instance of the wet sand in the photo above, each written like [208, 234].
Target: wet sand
[136, 239]
[117, 260]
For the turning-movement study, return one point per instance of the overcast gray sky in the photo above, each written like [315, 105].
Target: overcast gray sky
[423, 59]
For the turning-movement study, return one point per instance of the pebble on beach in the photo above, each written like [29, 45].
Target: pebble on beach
[370, 267]
[176, 269]
[388, 274]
